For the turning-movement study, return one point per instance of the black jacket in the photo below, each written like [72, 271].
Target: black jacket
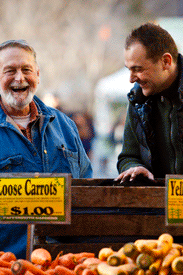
[153, 131]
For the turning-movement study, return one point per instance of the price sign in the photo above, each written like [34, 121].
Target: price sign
[174, 199]
[38, 199]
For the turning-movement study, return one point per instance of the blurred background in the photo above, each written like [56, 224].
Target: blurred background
[79, 45]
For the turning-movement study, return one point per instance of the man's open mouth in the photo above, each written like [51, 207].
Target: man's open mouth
[19, 88]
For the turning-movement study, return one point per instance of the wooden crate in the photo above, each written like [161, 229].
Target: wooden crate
[105, 216]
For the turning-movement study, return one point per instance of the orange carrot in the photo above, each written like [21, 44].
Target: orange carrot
[41, 256]
[68, 260]
[11, 262]
[50, 271]
[78, 256]
[5, 264]
[28, 273]
[88, 271]
[8, 256]
[19, 267]
[42, 267]
[54, 263]
[62, 270]
[78, 270]
[6, 270]
[81, 260]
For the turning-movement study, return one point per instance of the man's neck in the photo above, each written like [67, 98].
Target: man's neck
[173, 75]
[16, 112]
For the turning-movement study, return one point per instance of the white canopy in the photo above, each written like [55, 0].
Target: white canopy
[112, 88]
[115, 85]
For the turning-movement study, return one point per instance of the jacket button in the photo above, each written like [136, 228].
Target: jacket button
[45, 151]
[35, 154]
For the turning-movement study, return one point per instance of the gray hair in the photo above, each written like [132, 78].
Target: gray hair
[19, 44]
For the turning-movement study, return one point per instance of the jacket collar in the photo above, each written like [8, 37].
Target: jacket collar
[43, 111]
[180, 65]
[136, 96]
[42, 108]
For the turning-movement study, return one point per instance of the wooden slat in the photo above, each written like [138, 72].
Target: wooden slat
[111, 182]
[118, 196]
[30, 234]
[108, 213]
[113, 225]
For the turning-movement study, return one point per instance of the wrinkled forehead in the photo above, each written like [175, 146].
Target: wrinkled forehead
[18, 43]
[17, 50]
[16, 55]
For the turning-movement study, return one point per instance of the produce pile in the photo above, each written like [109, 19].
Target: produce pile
[143, 257]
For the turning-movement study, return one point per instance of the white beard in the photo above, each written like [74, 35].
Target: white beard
[14, 103]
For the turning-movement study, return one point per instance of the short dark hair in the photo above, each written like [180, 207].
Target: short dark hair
[18, 43]
[156, 40]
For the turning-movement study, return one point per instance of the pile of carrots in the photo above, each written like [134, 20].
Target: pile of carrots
[143, 257]
[41, 263]
[6, 261]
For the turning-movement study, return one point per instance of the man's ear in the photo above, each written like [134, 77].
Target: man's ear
[167, 60]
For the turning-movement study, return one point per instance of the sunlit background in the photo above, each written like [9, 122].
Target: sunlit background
[79, 45]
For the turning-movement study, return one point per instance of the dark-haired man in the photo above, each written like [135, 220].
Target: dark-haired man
[34, 137]
[153, 134]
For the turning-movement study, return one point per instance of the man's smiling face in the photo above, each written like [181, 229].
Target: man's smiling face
[19, 77]
[151, 75]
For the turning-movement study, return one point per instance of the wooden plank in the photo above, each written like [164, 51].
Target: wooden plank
[118, 217]
[30, 233]
[28, 248]
[111, 182]
[110, 225]
[118, 196]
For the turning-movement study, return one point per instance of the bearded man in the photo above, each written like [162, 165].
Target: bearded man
[34, 137]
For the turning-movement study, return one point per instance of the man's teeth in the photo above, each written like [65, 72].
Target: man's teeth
[19, 88]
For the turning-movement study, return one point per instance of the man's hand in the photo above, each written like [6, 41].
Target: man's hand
[131, 174]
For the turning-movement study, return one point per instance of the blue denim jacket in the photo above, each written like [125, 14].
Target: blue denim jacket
[56, 148]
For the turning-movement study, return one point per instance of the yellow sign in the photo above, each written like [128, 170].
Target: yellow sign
[38, 199]
[174, 199]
